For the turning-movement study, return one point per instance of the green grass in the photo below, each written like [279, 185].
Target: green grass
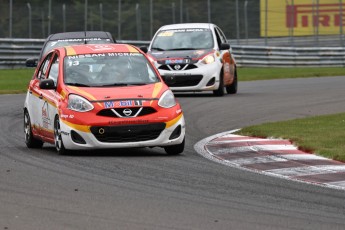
[252, 74]
[323, 135]
[15, 81]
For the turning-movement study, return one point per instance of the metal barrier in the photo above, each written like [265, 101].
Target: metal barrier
[14, 52]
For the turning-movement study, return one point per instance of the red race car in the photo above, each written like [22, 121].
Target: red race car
[101, 96]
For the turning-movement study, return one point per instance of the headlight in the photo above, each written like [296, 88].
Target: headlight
[208, 59]
[167, 100]
[78, 103]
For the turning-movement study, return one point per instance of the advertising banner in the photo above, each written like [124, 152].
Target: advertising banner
[301, 17]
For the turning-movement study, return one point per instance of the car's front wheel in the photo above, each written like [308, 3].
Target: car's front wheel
[30, 140]
[232, 89]
[220, 91]
[60, 148]
[175, 149]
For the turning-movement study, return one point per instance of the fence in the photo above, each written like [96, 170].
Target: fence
[14, 52]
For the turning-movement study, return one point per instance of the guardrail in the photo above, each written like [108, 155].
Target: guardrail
[14, 52]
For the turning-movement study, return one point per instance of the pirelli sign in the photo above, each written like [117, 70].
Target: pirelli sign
[301, 17]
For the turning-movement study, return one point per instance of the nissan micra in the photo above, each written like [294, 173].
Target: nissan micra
[101, 96]
[194, 57]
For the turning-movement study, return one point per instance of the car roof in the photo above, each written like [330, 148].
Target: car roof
[187, 25]
[80, 34]
[97, 48]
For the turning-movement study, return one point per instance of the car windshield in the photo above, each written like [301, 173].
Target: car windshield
[183, 39]
[75, 41]
[108, 69]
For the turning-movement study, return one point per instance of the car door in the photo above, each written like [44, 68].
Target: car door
[227, 60]
[35, 95]
[49, 100]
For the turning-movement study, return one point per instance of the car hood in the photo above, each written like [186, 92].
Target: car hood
[163, 57]
[100, 94]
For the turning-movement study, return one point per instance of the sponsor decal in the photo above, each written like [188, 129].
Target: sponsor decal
[125, 103]
[109, 104]
[174, 61]
[80, 39]
[65, 133]
[128, 122]
[45, 115]
[100, 47]
[177, 74]
[66, 116]
[199, 52]
[177, 61]
[113, 54]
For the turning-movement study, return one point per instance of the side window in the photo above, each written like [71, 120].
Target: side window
[54, 69]
[221, 36]
[42, 73]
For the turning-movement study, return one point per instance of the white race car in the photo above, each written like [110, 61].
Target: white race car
[194, 57]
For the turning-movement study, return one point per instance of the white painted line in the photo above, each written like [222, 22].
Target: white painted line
[259, 148]
[254, 148]
[275, 158]
[257, 160]
[308, 170]
[303, 157]
[338, 183]
[241, 140]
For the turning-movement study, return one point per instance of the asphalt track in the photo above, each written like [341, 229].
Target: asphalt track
[146, 189]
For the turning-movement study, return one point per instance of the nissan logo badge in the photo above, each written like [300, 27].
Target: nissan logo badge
[177, 67]
[127, 112]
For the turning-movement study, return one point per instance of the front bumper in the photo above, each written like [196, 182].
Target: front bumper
[125, 136]
[202, 78]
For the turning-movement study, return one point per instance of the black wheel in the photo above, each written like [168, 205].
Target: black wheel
[30, 140]
[232, 89]
[60, 148]
[220, 91]
[175, 149]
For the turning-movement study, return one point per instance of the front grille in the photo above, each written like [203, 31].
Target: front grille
[120, 111]
[182, 80]
[181, 67]
[127, 133]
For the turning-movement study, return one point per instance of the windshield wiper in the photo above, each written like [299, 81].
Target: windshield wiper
[138, 83]
[114, 84]
[182, 49]
[157, 48]
[78, 84]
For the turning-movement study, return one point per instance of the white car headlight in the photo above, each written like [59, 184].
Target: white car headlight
[167, 100]
[208, 59]
[78, 103]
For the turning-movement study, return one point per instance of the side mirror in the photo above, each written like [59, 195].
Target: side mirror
[47, 84]
[31, 62]
[224, 46]
[144, 49]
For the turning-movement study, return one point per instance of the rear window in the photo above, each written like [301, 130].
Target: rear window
[67, 42]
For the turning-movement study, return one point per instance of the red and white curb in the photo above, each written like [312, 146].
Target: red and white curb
[273, 157]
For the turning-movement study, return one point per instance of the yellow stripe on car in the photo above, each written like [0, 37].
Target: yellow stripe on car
[173, 121]
[70, 51]
[83, 128]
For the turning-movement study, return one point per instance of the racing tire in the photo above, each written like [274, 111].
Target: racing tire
[59, 146]
[175, 149]
[220, 91]
[30, 140]
[232, 89]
